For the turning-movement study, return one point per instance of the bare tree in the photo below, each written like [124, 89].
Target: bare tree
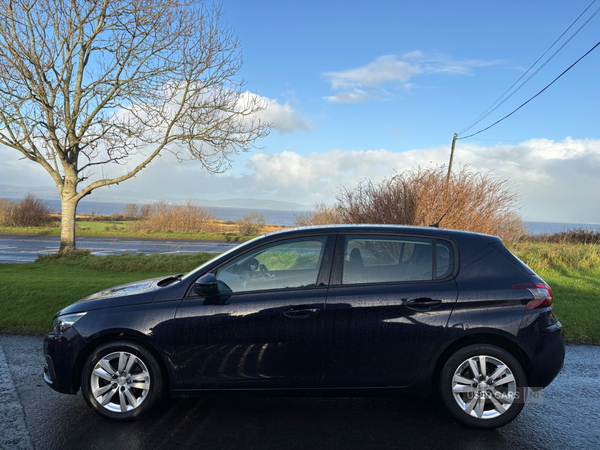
[94, 90]
[131, 211]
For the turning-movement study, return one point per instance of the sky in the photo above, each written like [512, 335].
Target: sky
[362, 90]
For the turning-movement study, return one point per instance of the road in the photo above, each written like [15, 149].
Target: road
[32, 416]
[24, 248]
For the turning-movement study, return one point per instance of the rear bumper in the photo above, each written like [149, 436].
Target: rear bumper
[545, 346]
[551, 360]
[60, 353]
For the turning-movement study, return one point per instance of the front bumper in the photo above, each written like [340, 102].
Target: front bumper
[61, 353]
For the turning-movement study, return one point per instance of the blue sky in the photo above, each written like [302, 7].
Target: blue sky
[361, 89]
[290, 47]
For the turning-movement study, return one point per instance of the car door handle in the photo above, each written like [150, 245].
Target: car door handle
[422, 304]
[300, 313]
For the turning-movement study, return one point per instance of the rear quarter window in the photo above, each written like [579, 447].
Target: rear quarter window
[500, 248]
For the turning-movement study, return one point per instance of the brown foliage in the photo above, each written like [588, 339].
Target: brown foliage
[29, 212]
[185, 217]
[321, 214]
[145, 211]
[131, 211]
[252, 224]
[472, 201]
[575, 236]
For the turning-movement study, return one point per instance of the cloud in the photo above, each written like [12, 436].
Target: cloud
[381, 70]
[560, 180]
[390, 69]
[282, 117]
[357, 96]
[439, 63]
[24, 173]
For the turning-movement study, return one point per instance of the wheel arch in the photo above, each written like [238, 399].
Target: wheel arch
[116, 336]
[481, 338]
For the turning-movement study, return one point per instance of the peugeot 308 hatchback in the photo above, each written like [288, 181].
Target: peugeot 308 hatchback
[333, 310]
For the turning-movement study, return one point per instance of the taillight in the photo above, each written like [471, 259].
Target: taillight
[541, 292]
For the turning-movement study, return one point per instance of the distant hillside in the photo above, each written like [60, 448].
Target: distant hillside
[108, 196]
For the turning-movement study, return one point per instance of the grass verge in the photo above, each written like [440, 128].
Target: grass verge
[573, 273]
[116, 231]
[30, 294]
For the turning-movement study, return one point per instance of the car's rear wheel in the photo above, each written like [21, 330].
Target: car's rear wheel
[483, 386]
[121, 380]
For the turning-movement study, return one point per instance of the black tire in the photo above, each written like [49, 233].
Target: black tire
[137, 387]
[463, 399]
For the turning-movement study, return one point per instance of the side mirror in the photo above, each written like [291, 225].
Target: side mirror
[206, 285]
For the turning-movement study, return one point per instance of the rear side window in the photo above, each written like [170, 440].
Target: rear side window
[381, 259]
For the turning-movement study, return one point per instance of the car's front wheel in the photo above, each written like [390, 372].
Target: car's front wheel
[121, 380]
[483, 386]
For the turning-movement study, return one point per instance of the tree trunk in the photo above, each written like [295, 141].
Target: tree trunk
[67, 224]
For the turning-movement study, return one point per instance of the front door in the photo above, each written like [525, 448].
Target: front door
[265, 328]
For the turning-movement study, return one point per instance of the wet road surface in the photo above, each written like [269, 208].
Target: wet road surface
[25, 249]
[40, 418]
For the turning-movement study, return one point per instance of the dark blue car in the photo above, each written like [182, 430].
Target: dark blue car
[333, 310]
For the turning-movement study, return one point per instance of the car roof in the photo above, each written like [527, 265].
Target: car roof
[369, 228]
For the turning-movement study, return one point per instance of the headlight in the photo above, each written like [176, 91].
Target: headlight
[63, 323]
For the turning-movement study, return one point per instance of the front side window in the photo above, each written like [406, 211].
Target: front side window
[292, 263]
[381, 259]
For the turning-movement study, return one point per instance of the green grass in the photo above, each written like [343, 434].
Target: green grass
[155, 263]
[573, 273]
[120, 229]
[30, 294]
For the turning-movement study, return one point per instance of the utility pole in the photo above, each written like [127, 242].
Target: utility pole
[451, 158]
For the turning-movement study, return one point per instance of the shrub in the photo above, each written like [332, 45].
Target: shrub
[321, 214]
[185, 217]
[29, 212]
[145, 211]
[583, 236]
[5, 205]
[472, 201]
[131, 211]
[252, 224]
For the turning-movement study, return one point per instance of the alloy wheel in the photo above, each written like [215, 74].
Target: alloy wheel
[120, 382]
[484, 387]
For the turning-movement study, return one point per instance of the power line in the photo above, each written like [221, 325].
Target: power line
[553, 81]
[503, 140]
[497, 103]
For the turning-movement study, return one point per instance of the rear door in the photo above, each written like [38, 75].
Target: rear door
[388, 304]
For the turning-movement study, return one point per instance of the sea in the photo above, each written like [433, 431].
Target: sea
[272, 216]
[285, 217]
